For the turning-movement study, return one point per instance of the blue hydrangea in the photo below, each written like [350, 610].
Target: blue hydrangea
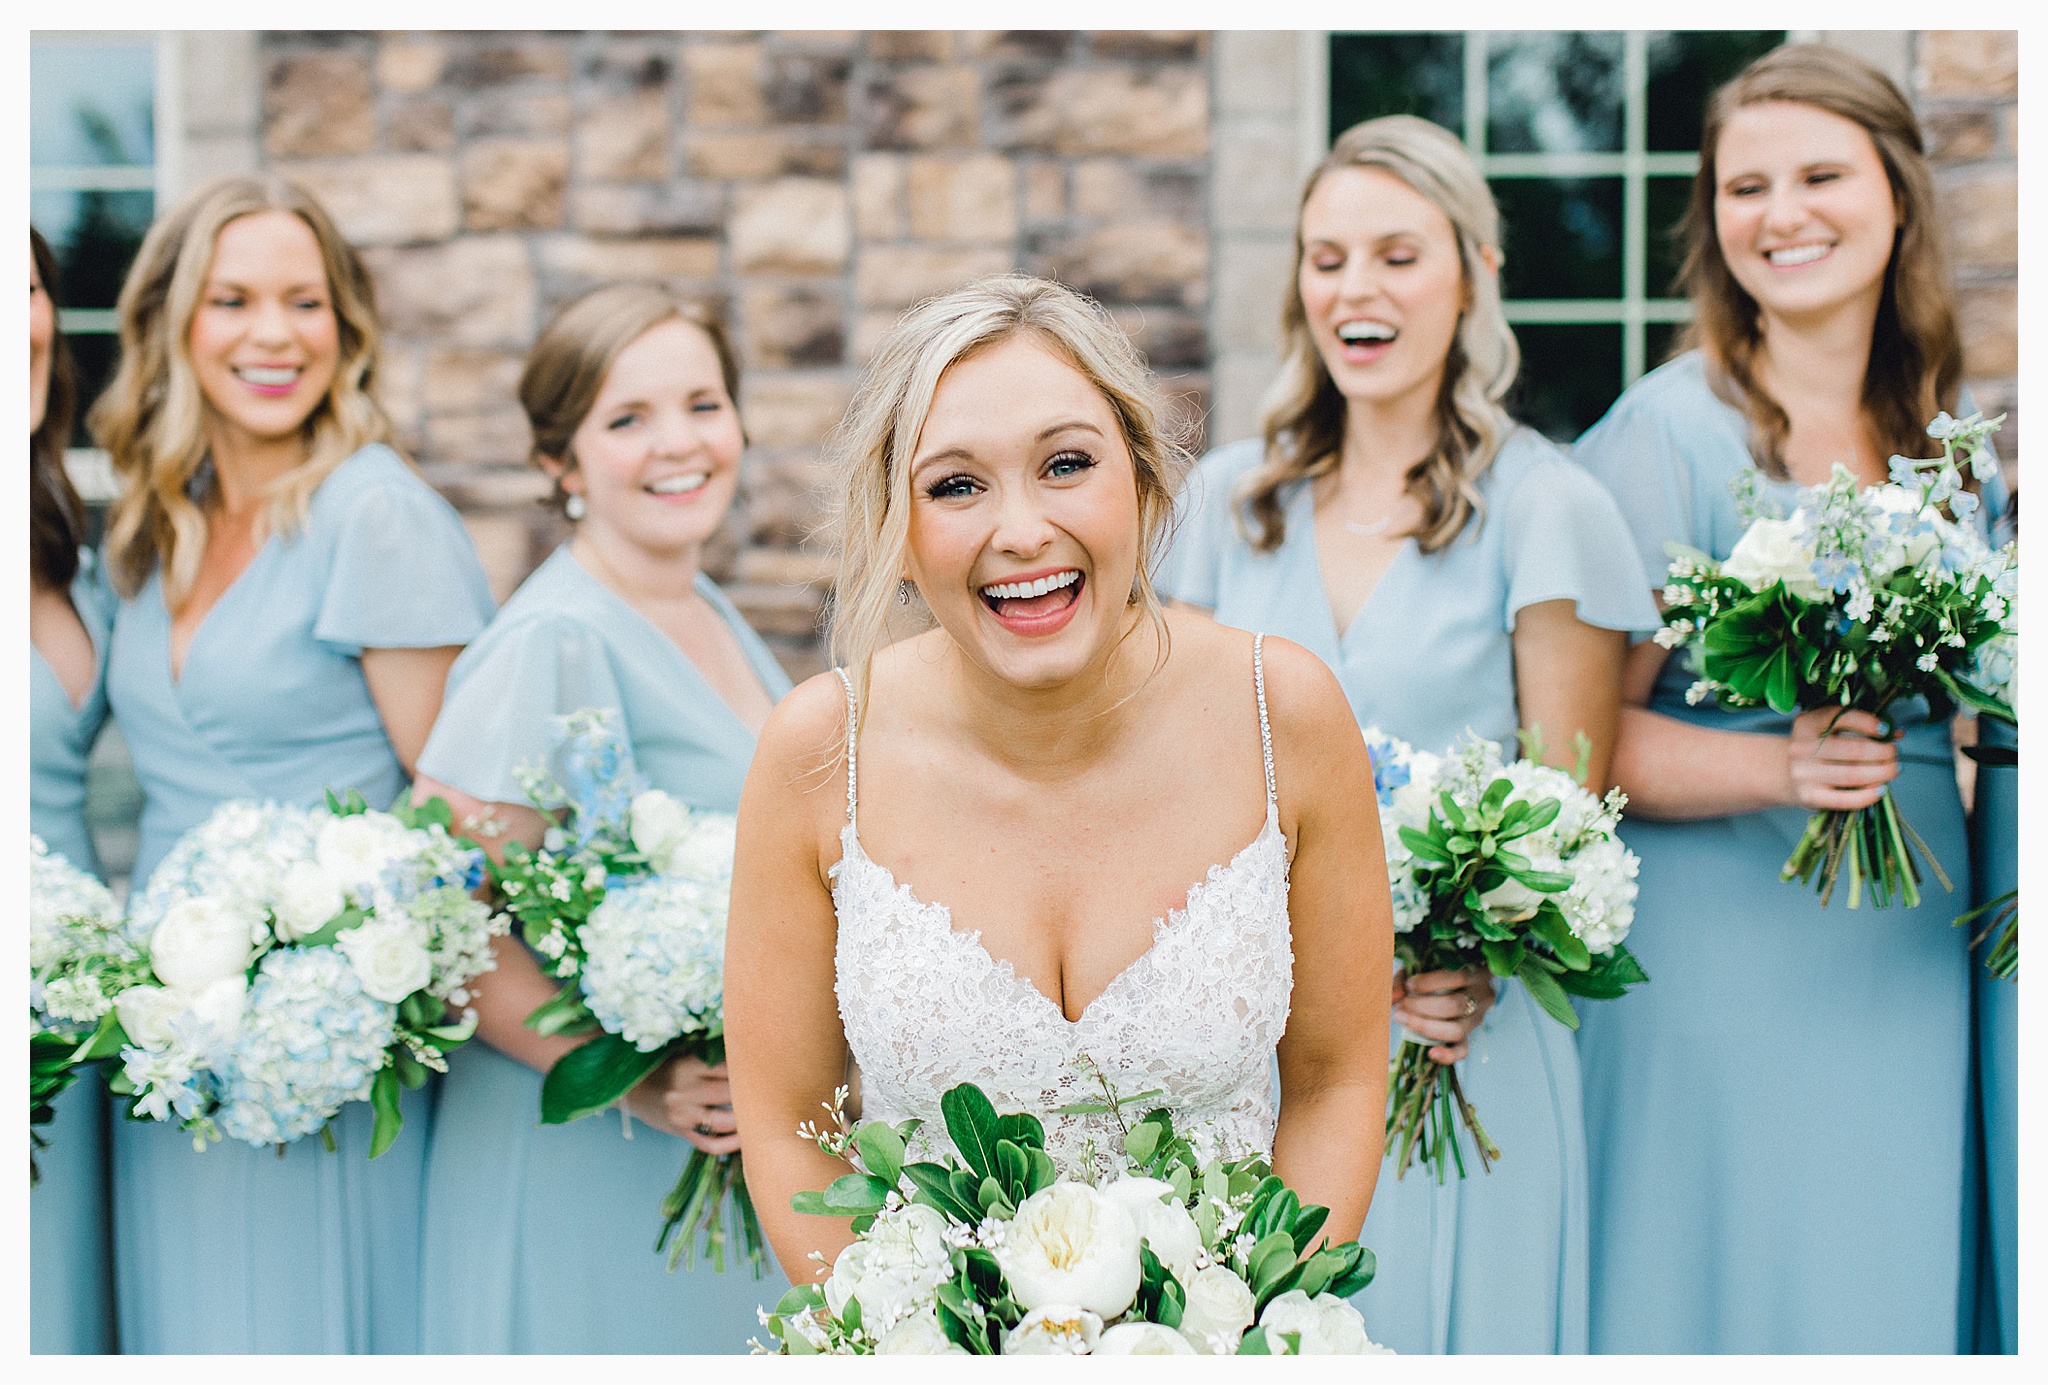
[654, 960]
[311, 1041]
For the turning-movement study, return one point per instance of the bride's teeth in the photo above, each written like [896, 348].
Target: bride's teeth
[1797, 254]
[268, 375]
[1017, 591]
[680, 485]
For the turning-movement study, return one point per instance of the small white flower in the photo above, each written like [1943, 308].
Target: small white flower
[1069, 1244]
[1054, 1329]
[388, 958]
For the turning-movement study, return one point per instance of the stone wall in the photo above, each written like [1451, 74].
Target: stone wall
[1966, 87]
[811, 184]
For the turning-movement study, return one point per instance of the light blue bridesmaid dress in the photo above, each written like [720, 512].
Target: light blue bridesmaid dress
[239, 1249]
[1994, 860]
[540, 1238]
[1776, 1122]
[71, 1295]
[1495, 1262]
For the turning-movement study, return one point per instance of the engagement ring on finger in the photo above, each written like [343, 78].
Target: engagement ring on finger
[702, 1129]
[1470, 1006]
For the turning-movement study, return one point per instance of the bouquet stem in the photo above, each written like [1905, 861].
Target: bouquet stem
[1425, 1104]
[1876, 848]
[710, 1196]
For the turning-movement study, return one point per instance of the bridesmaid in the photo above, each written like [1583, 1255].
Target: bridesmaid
[1777, 1121]
[1456, 571]
[71, 1300]
[540, 1238]
[293, 597]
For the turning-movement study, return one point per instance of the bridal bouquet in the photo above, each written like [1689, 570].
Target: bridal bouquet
[994, 1253]
[79, 960]
[1513, 867]
[300, 961]
[626, 904]
[1860, 598]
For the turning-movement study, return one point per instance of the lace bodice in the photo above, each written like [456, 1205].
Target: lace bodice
[1196, 1018]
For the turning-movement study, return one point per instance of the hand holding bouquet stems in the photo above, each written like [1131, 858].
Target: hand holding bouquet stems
[994, 1252]
[299, 961]
[626, 903]
[1512, 867]
[1860, 599]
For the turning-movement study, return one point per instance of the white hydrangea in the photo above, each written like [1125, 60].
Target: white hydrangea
[238, 858]
[654, 960]
[78, 955]
[311, 1041]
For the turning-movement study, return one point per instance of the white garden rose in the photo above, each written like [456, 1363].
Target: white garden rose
[659, 824]
[1328, 1325]
[1511, 901]
[1055, 1329]
[146, 1013]
[200, 941]
[705, 852]
[1772, 552]
[388, 958]
[219, 1006]
[918, 1335]
[356, 849]
[1070, 1244]
[1219, 1309]
[307, 898]
[894, 1268]
[1161, 1220]
[1143, 1339]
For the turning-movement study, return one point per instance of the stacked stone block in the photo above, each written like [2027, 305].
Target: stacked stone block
[810, 184]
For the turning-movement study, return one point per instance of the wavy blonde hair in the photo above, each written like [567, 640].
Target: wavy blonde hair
[152, 419]
[1302, 416]
[871, 450]
[1916, 355]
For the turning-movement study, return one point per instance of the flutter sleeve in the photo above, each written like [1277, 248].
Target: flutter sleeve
[1564, 539]
[504, 695]
[1635, 455]
[405, 574]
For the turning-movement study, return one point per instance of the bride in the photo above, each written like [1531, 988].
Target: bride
[968, 855]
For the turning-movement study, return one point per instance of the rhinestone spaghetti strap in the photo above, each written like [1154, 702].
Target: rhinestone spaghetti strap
[853, 732]
[1265, 726]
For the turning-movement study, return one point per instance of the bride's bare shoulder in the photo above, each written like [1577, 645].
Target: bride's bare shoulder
[803, 744]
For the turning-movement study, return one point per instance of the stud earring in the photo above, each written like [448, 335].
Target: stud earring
[903, 592]
[573, 507]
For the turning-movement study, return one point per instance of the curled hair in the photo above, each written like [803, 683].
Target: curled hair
[56, 523]
[153, 417]
[1916, 356]
[1302, 416]
[574, 353]
[872, 448]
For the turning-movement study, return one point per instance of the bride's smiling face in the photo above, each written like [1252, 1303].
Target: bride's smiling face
[1024, 525]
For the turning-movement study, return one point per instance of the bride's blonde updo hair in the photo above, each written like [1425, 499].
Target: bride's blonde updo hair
[871, 450]
[1303, 413]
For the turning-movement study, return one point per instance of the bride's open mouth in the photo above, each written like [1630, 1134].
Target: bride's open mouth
[1037, 603]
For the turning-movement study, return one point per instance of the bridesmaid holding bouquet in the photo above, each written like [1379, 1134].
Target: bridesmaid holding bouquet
[540, 1238]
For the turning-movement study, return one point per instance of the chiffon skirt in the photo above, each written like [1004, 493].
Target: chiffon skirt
[1776, 1122]
[1493, 1262]
[1994, 842]
[541, 1238]
[70, 1275]
[240, 1249]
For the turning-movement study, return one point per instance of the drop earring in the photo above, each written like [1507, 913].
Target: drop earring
[573, 507]
[903, 592]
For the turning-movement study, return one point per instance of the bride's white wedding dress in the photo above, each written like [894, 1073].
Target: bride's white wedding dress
[1195, 1019]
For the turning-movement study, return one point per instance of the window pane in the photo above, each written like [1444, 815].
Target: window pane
[95, 355]
[1397, 74]
[92, 103]
[1664, 207]
[95, 235]
[1562, 237]
[1571, 372]
[1685, 67]
[1553, 92]
[1660, 340]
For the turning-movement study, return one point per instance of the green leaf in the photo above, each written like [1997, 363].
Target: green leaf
[991, 1199]
[104, 1042]
[419, 1010]
[1253, 1343]
[384, 1092]
[1359, 1274]
[881, 1149]
[855, 1194]
[1544, 881]
[971, 1121]
[1022, 1129]
[327, 932]
[1502, 958]
[1270, 1258]
[1426, 846]
[1545, 991]
[1142, 1142]
[412, 1074]
[1550, 926]
[934, 1184]
[1608, 978]
[1014, 1169]
[1307, 1222]
[1044, 1173]
[592, 1076]
[1316, 1272]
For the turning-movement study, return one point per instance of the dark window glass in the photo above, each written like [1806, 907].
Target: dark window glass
[1684, 70]
[95, 235]
[1397, 74]
[1660, 341]
[1563, 237]
[1571, 372]
[1553, 92]
[1664, 202]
